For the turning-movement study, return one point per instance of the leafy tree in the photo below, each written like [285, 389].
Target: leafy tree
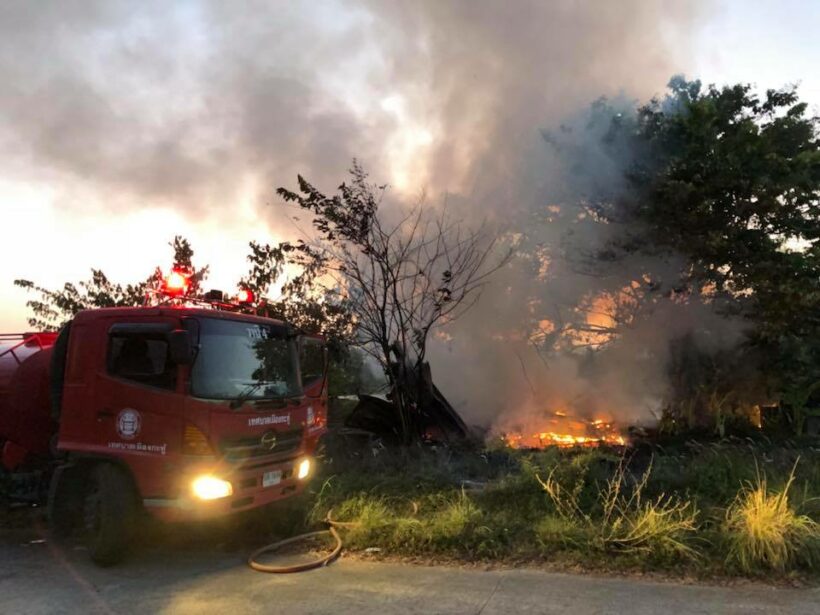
[53, 308]
[183, 261]
[303, 301]
[729, 180]
[732, 180]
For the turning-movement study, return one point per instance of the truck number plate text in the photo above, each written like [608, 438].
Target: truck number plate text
[269, 479]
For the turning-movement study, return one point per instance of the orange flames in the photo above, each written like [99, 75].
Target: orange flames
[564, 431]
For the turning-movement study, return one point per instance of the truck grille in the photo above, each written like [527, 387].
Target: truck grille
[253, 446]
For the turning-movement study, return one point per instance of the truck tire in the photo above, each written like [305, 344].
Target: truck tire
[109, 514]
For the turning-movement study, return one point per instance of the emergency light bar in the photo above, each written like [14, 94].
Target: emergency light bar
[245, 296]
[176, 283]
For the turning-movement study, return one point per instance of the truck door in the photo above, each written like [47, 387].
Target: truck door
[139, 400]
[313, 372]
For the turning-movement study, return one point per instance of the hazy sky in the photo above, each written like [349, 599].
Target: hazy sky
[167, 141]
[766, 42]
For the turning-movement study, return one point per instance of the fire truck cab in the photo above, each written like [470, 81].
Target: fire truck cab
[180, 412]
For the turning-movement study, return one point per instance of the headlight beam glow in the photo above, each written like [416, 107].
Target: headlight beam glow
[211, 488]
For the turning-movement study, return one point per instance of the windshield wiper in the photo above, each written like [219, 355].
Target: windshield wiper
[246, 395]
[252, 388]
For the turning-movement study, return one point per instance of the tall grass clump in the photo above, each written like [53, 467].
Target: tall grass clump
[371, 516]
[624, 520]
[765, 531]
[441, 522]
[444, 523]
[458, 515]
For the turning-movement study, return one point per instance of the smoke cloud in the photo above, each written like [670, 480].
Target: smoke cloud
[185, 105]
[180, 103]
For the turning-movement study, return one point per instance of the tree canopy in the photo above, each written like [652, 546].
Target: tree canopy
[721, 185]
[53, 308]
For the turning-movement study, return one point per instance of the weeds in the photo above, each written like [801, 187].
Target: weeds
[764, 530]
[627, 522]
[455, 517]
[587, 507]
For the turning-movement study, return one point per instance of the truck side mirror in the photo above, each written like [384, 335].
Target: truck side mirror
[179, 347]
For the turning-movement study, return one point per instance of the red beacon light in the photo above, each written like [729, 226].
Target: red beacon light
[245, 296]
[176, 283]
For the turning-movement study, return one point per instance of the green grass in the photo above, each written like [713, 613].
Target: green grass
[663, 510]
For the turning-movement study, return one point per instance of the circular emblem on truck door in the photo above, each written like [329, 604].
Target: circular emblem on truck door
[128, 423]
[268, 441]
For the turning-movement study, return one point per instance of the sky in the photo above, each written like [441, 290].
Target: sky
[767, 43]
[123, 124]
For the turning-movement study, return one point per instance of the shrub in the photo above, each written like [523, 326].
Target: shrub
[764, 530]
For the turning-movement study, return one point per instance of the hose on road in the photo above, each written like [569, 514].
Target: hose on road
[332, 529]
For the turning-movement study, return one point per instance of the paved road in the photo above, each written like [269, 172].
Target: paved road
[36, 577]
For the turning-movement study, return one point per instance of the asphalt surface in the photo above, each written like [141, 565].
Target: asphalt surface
[39, 577]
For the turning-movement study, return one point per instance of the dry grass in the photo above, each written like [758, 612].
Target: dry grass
[764, 530]
[628, 522]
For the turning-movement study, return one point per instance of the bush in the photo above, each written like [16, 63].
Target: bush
[764, 530]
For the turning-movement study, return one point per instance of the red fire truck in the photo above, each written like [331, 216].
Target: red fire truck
[178, 411]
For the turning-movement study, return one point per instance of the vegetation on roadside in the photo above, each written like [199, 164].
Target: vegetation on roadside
[763, 529]
[727, 508]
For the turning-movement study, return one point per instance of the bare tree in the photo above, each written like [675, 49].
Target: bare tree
[400, 279]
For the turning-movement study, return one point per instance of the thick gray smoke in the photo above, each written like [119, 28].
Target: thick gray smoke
[186, 104]
[180, 102]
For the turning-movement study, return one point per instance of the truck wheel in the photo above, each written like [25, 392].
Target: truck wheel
[109, 513]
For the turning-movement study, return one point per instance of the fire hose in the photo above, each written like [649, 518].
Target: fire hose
[333, 528]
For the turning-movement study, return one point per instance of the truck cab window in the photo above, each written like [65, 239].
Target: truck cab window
[141, 358]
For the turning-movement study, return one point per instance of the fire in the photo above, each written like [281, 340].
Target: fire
[581, 433]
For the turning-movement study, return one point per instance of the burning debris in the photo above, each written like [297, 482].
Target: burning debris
[433, 418]
[562, 430]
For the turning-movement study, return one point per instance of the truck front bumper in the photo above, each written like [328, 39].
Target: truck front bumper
[253, 485]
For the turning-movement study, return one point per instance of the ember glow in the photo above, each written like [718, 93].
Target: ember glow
[565, 431]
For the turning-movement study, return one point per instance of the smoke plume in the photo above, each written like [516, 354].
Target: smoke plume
[186, 105]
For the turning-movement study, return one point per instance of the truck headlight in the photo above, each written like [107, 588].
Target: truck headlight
[303, 469]
[211, 488]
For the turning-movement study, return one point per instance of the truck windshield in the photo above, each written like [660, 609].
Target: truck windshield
[244, 360]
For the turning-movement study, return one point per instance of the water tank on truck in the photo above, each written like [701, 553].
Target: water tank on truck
[26, 423]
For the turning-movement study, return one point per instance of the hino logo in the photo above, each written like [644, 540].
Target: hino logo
[268, 440]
